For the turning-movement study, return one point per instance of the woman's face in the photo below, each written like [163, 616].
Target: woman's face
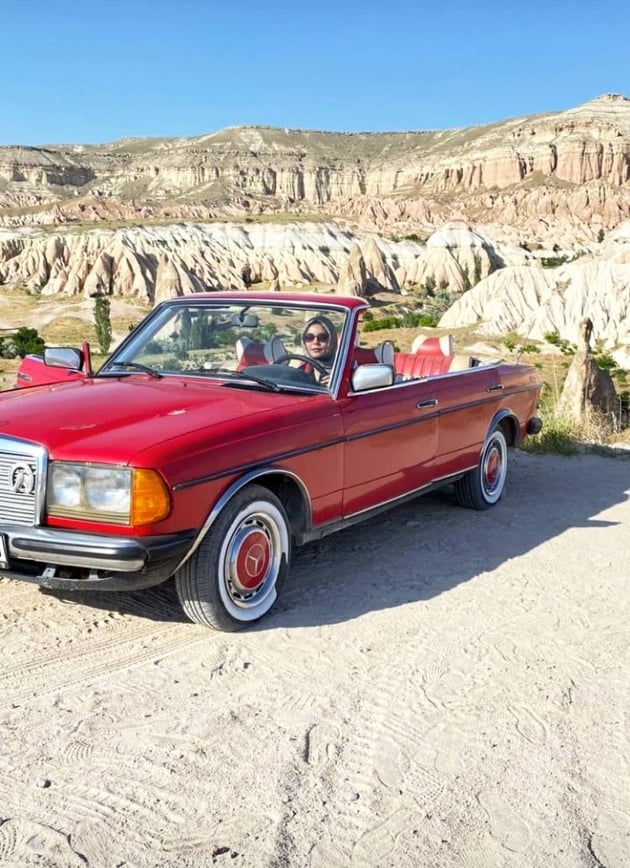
[316, 341]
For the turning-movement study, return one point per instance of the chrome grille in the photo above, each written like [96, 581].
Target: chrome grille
[22, 481]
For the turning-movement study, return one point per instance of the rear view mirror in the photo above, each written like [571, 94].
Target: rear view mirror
[245, 320]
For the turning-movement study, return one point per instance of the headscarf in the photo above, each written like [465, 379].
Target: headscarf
[331, 347]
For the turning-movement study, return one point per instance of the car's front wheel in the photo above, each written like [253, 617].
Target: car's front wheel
[235, 575]
[482, 487]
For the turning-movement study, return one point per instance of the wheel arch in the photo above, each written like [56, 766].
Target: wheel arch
[508, 423]
[288, 488]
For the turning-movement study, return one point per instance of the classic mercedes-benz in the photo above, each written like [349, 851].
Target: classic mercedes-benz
[228, 427]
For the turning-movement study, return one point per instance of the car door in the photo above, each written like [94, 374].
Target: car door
[390, 439]
[467, 401]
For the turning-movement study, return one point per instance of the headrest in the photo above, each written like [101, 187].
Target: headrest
[241, 346]
[444, 345]
[274, 349]
[384, 353]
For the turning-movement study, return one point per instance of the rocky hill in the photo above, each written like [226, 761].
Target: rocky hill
[556, 178]
[522, 224]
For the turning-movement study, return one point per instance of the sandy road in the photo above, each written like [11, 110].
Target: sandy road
[437, 687]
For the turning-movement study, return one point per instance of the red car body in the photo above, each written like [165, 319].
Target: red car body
[230, 471]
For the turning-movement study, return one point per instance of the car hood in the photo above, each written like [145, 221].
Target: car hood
[117, 419]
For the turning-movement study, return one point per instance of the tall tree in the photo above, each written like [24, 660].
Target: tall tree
[102, 323]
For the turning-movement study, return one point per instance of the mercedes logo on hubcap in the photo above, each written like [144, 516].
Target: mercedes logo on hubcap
[255, 557]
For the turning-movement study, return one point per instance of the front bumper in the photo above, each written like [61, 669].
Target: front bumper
[65, 559]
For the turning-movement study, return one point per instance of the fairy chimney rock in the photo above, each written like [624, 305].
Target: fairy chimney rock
[353, 275]
[588, 388]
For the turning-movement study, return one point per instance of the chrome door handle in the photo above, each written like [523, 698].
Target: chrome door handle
[496, 387]
[430, 402]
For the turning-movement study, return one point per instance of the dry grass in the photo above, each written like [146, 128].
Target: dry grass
[8, 370]
[62, 320]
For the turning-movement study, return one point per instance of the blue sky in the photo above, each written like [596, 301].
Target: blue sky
[81, 72]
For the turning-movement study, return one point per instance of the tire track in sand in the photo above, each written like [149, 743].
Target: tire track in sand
[72, 668]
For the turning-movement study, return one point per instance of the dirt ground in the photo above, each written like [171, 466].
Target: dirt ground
[436, 687]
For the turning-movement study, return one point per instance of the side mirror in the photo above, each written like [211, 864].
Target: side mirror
[367, 377]
[63, 357]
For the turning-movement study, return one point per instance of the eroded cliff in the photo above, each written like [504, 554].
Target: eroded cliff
[563, 174]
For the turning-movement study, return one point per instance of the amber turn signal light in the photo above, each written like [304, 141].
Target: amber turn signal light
[150, 500]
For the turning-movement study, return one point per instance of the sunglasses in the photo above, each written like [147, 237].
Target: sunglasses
[320, 337]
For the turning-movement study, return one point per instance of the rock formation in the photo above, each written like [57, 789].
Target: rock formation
[152, 263]
[532, 300]
[563, 175]
[525, 222]
[156, 262]
[589, 392]
[353, 278]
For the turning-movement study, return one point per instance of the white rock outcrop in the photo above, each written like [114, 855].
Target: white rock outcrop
[533, 301]
[151, 263]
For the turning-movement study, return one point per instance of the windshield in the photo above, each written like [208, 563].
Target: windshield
[292, 346]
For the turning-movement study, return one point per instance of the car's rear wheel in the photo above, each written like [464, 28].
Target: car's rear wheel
[234, 577]
[482, 487]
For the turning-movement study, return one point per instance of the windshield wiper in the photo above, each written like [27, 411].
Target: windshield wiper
[137, 366]
[237, 376]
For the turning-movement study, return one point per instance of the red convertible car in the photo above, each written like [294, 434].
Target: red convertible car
[228, 427]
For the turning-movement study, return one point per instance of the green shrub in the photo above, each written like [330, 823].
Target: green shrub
[8, 350]
[386, 322]
[557, 436]
[553, 261]
[427, 320]
[477, 274]
[409, 319]
[466, 275]
[605, 361]
[565, 347]
[27, 340]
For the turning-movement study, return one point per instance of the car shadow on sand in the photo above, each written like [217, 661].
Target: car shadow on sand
[156, 604]
[423, 548]
[428, 546]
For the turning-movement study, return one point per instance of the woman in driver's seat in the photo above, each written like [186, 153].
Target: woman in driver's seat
[320, 344]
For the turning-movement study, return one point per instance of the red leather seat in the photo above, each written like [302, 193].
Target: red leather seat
[363, 356]
[249, 352]
[412, 366]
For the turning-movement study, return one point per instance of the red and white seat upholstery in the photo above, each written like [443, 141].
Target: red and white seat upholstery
[250, 352]
[413, 366]
[437, 346]
[429, 357]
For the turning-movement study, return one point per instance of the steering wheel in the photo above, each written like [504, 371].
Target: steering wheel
[286, 357]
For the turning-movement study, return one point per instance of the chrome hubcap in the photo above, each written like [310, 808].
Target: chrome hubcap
[251, 559]
[494, 468]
